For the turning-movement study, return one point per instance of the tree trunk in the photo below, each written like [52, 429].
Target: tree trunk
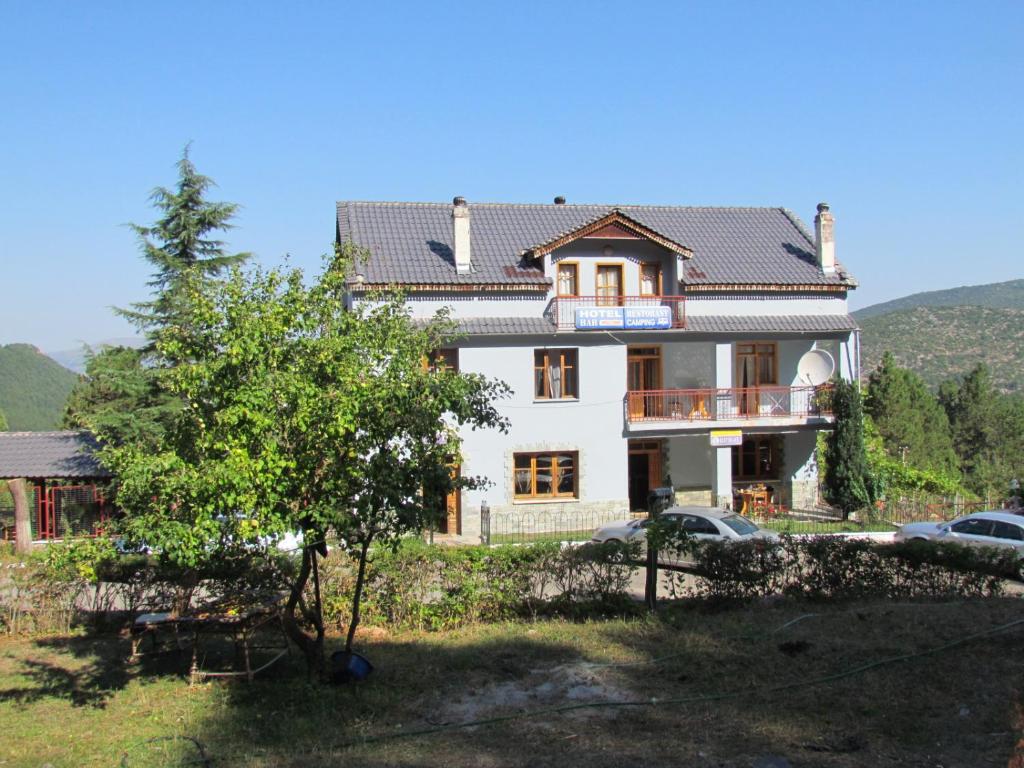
[312, 647]
[22, 525]
[357, 596]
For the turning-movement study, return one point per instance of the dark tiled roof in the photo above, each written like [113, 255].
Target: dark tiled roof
[768, 323]
[49, 454]
[492, 326]
[534, 326]
[411, 243]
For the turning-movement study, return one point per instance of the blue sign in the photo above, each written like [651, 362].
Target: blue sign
[623, 318]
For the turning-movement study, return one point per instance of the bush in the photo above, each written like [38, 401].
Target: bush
[434, 587]
[835, 567]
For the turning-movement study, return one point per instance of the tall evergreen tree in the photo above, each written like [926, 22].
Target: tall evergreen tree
[848, 482]
[3, 422]
[913, 425]
[182, 248]
[986, 432]
[121, 398]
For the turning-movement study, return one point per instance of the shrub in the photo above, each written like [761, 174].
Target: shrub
[834, 567]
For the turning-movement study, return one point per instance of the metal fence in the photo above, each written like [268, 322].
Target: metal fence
[570, 523]
[563, 523]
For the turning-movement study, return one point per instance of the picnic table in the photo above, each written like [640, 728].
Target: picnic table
[249, 621]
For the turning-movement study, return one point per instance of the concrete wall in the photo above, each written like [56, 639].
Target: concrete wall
[771, 304]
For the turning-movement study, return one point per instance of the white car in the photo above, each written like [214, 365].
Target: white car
[982, 529]
[702, 523]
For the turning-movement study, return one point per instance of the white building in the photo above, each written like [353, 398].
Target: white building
[634, 338]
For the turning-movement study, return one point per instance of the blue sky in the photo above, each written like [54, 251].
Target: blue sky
[907, 117]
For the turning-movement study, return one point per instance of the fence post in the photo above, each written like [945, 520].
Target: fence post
[485, 523]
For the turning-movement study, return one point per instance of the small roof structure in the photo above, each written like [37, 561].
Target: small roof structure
[67, 455]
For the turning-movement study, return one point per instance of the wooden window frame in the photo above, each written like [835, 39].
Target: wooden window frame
[774, 356]
[575, 278]
[621, 297]
[545, 369]
[660, 287]
[774, 473]
[533, 456]
[445, 359]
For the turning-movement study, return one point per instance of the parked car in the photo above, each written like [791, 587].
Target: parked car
[702, 523]
[981, 529]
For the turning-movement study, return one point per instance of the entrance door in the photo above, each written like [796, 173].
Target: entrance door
[642, 377]
[644, 472]
[451, 521]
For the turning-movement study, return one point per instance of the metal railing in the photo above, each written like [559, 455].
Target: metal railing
[523, 526]
[728, 404]
[563, 308]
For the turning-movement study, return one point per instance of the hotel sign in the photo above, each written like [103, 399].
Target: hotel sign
[623, 318]
[722, 438]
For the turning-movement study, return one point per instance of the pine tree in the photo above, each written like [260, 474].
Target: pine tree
[122, 398]
[180, 248]
[913, 425]
[978, 416]
[848, 482]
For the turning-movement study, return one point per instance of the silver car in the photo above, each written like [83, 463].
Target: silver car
[982, 529]
[702, 523]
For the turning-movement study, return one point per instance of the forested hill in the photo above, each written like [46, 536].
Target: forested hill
[1008, 295]
[940, 343]
[33, 388]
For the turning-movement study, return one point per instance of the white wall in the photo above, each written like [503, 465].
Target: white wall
[593, 425]
[765, 304]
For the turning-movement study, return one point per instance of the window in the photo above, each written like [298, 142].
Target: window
[695, 525]
[609, 285]
[568, 280]
[975, 526]
[546, 475]
[756, 458]
[1008, 531]
[650, 280]
[756, 364]
[555, 374]
[443, 360]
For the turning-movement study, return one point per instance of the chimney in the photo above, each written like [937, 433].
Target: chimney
[824, 231]
[559, 200]
[460, 220]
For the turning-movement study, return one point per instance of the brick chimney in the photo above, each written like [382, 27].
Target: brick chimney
[460, 221]
[824, 231]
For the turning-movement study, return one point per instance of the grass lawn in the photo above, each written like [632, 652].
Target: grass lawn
[71, 701]
[533, 538]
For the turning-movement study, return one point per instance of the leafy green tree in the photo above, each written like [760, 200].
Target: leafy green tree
[849, 484]
[122, 397]
[301, 415]
[988, 431]
[913, 425]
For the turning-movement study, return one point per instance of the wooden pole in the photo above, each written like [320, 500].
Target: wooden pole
[22, 525]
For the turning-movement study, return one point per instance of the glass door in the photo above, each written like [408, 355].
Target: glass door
[643, 376]
[609, 285]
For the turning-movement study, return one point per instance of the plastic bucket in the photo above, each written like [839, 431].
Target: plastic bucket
[349, 667]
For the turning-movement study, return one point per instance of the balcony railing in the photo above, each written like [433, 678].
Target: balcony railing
[563, 311]
[732, 404]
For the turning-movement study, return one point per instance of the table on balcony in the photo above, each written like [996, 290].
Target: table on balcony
[756, 497]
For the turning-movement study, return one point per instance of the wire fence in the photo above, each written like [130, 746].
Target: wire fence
[570, 523]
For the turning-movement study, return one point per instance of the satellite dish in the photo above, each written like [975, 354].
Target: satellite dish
[815, 367]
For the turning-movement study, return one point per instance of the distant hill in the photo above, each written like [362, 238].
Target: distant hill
[945, 342]
[33, 388]
[1008, 295]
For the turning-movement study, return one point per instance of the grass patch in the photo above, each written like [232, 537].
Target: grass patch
[818, 526]
[542, 538]
[71, 701]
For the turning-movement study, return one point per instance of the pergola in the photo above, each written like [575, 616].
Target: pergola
[62, 470]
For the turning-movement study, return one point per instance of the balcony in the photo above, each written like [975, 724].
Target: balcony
[619, 312]
[734, 405]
